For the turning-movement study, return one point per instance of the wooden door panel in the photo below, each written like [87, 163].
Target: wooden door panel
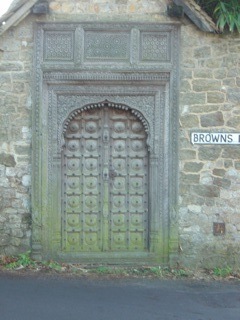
[105, 183]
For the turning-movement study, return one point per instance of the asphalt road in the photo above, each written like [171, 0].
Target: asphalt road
[45, 298]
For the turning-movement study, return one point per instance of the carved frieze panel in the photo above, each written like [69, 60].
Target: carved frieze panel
[155, 47]
[58, 45]
[106, 45]
[90, 46]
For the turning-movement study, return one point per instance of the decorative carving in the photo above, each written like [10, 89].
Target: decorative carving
[140, 86]
[108, 76]
[145, 103]
[135, 45]
[155, 47]
[104, 45]
[58, 45]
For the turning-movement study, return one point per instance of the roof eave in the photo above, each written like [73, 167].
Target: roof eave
[16, 17]
[199, 18]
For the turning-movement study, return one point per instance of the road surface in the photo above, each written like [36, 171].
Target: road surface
[57, 298]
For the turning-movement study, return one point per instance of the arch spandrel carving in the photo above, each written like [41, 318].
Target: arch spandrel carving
[145, 113]
[108, 104]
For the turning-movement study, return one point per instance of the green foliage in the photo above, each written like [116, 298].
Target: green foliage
[101, 270]
[226, 13]
[180, 273]
[222, 272]
[52, 265]
[23, 260]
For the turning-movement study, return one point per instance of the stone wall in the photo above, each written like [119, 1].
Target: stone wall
[15, 138]
[109, 8]
[209, 176]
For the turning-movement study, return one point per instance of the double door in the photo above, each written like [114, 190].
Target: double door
[105, 183]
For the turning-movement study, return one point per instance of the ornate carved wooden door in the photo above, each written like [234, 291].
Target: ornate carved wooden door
[105, 182]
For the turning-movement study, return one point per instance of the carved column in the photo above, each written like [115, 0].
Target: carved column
[105, 212]
[153, 203]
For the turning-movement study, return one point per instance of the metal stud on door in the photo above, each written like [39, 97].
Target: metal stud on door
[105, 183]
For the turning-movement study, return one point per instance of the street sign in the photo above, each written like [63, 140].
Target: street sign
[215, 138]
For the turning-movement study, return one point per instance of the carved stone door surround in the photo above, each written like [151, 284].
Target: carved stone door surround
[85, 66]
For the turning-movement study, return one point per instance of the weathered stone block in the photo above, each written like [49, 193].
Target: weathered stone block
[209, 153]
[206, 178]
[219, 172]
[193, 166]
[237, 165]
[26, 180]
[17, 233]
[11, 250]
[231, 60]
[22, 149]
[212, 120]
[187, 154]
[195, 209]
[186, 74]
[184, 189]
[203, 73]
[54, 6]
[189, 63]
[233, 73]
[223, 183]
[23, 159]
[22, 76]
[215, 97]
[231, 152]
[68, 7]
[7, 160]
[203, 108]
[233, 95]
[206, 191]
[220, 73]
[228, 164]
[4, 239]
[213, 63]
[18, 87]
[8, 66]
[15, 242]
[190, 178]
[234, 122]
[234, 47]
[198, 201]
[210, 202]
[11, 103]
[203, 52]
[220, 49]
[189, 121]
[185, 86]
[5, 82]
[227, 107]
[230, 82]
[121, 1]
[205, 85]
[192, 98]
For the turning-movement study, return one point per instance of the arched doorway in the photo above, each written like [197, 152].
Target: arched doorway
[103, 224]
[105, 201]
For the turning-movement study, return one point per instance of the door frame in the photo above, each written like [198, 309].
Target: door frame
[107, 180]
[148, 88]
